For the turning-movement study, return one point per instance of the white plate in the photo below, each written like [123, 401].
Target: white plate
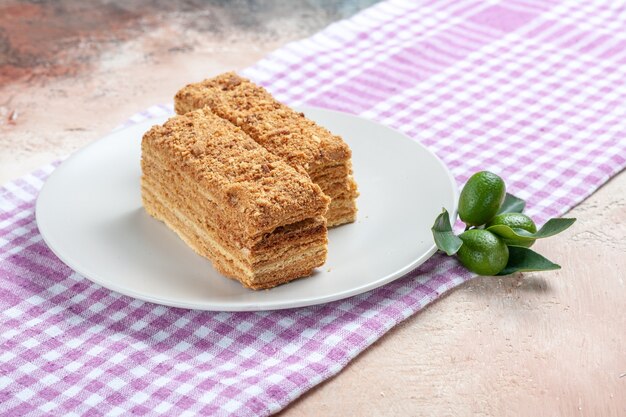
[89, 213]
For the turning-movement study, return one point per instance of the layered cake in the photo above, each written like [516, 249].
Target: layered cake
[300, 142]
[257, 218]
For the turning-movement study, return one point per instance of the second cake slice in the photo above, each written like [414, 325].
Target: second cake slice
[284, 132]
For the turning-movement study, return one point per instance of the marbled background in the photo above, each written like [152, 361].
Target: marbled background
[70, 70]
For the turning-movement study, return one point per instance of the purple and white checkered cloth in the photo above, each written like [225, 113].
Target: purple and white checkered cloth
[532, 90]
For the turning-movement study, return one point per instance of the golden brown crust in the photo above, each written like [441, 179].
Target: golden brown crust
[262, 190]
[278, 128]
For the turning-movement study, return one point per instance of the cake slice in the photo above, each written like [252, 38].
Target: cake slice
[284, 132]
[258, 219]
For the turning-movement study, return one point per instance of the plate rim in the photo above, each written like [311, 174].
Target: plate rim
[248, 306]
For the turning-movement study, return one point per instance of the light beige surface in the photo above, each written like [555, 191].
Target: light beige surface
[548, 344]
[539, 344]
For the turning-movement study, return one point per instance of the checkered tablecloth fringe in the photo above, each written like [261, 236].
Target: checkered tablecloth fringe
[532, 90]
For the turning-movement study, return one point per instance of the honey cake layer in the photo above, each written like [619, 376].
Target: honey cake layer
[280, 271]
[206, 216]
[302, 239]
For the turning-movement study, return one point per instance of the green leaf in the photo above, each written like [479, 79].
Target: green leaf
[525, 260]
[512, 204]
[551, 228]
[445, 239]
[554, 226]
